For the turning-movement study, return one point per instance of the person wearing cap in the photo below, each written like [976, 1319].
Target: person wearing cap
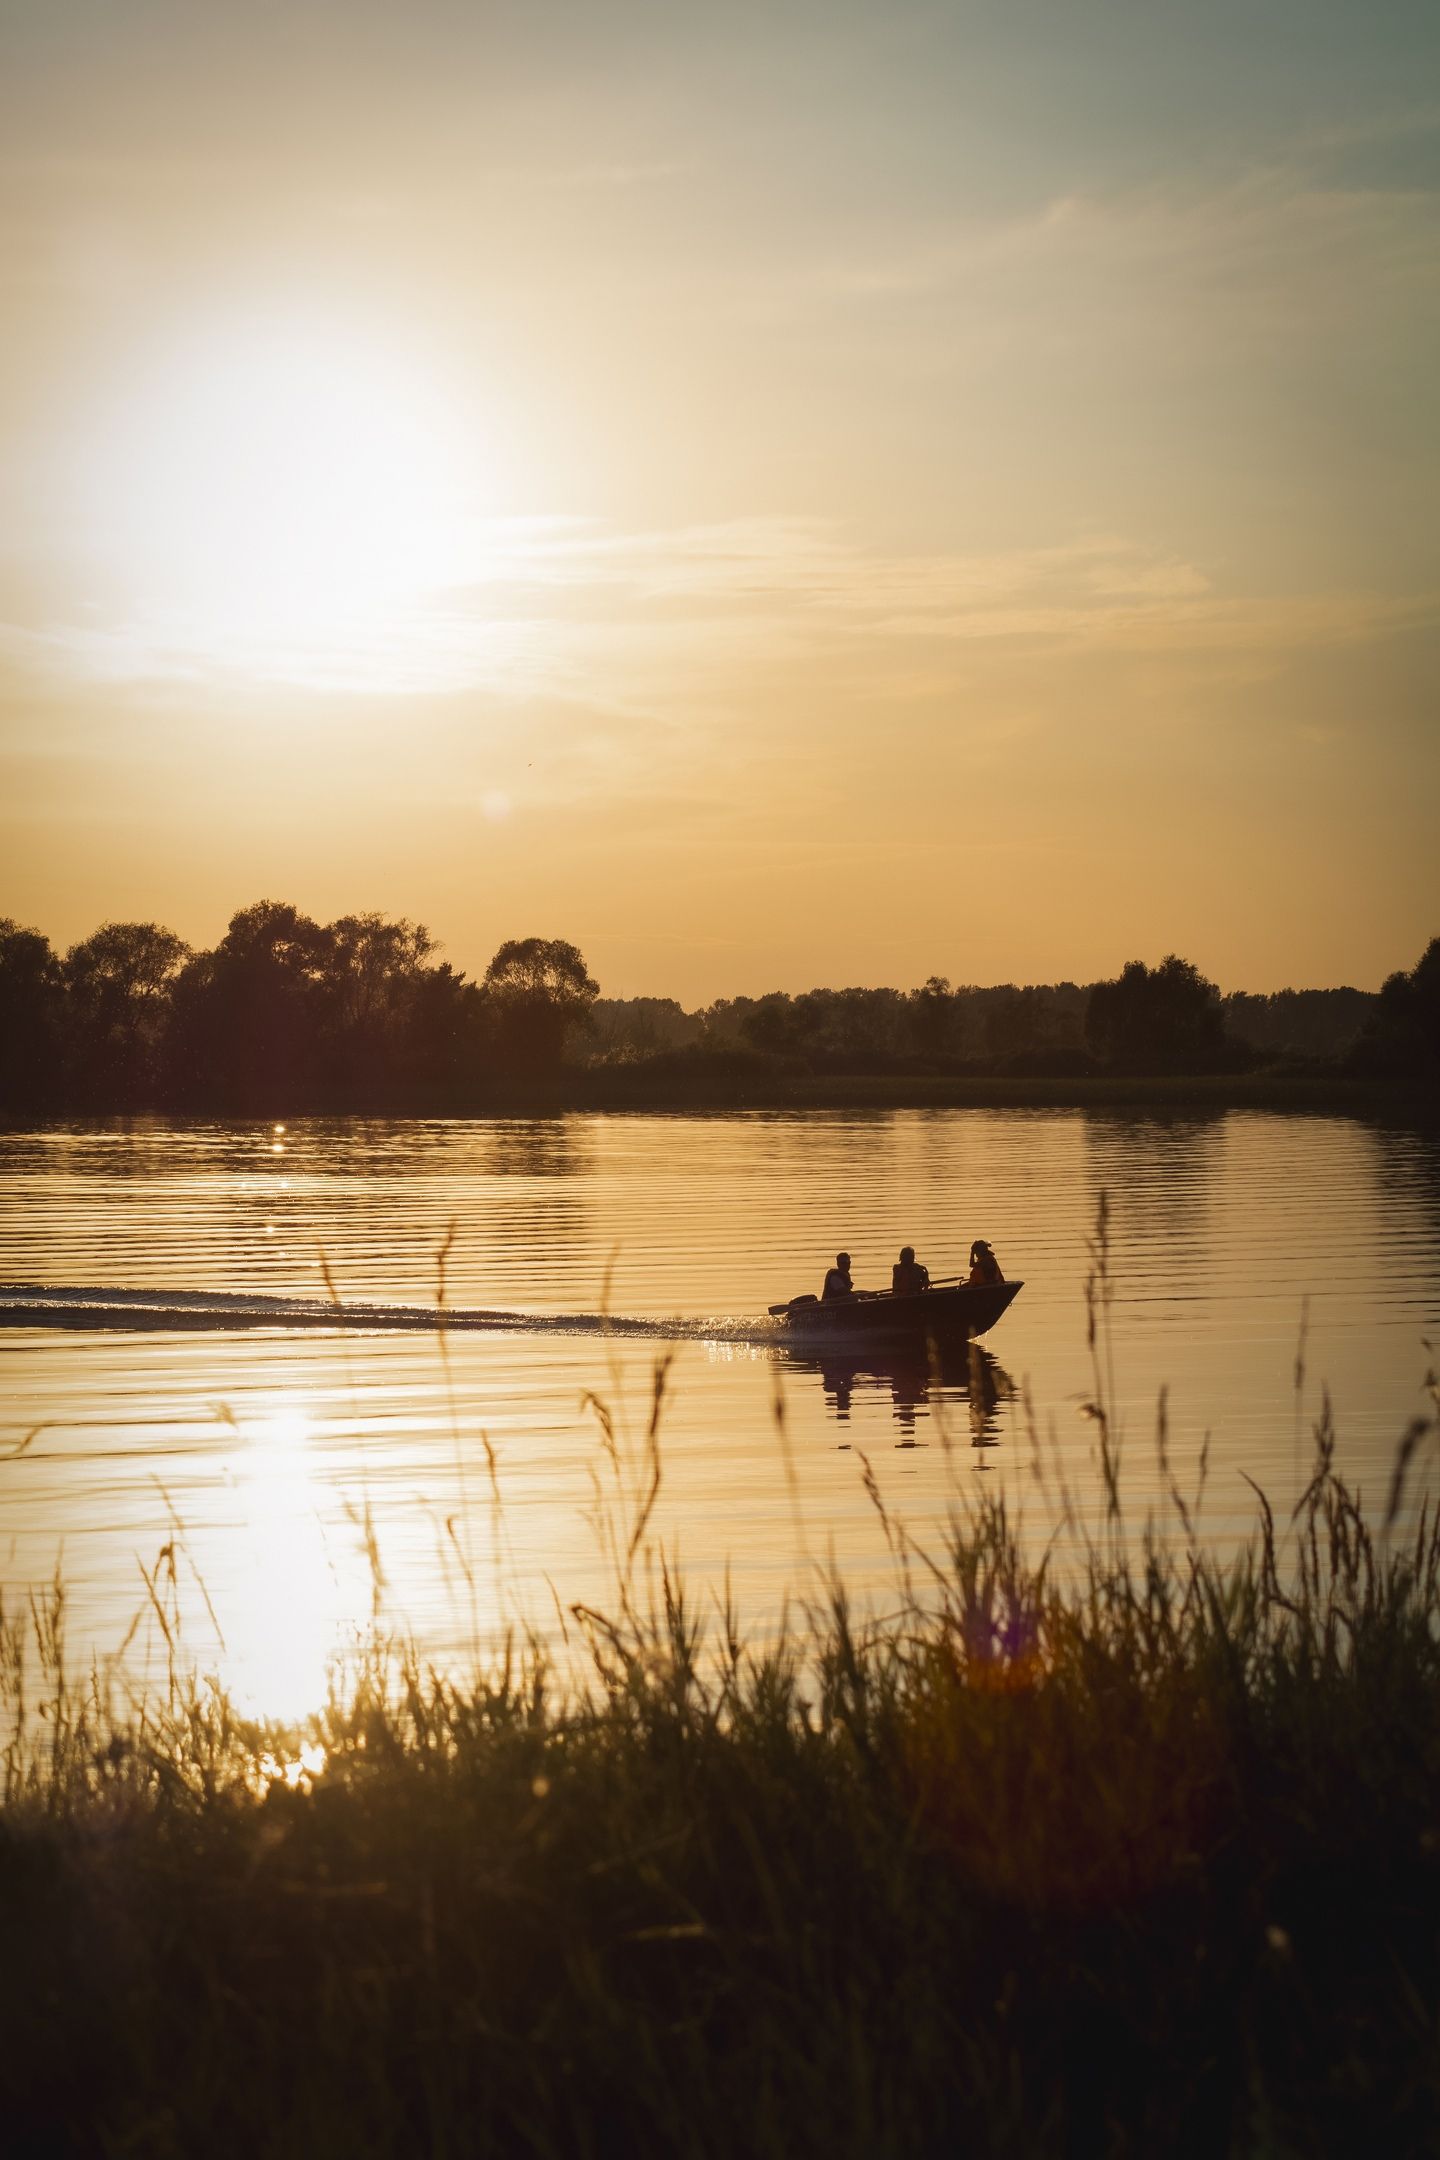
[837, 1279]
[907, 1277]
[984, 1267]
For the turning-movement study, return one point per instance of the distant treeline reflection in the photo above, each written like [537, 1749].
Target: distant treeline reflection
[361, 1013]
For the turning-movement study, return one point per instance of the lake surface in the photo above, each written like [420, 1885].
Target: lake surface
[309, 1483]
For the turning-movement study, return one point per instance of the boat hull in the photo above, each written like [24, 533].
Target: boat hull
[951, 1315]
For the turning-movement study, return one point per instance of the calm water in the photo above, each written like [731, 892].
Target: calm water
[275, 1448]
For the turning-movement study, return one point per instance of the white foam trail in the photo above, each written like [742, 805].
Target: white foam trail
[107, 1307]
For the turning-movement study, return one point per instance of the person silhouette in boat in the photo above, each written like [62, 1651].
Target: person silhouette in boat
[907, 1277]
[837, 1279]
[984, 1267]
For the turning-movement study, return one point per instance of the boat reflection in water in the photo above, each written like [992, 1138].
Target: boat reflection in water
[922, 1382]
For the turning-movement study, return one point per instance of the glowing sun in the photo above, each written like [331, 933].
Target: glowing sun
[278, 477]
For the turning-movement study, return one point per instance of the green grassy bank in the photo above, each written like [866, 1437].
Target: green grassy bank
[1144, 1861]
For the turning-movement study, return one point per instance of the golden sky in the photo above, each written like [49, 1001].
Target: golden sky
[784, 494]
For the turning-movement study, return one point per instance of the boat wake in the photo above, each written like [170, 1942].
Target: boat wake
[41, 1305]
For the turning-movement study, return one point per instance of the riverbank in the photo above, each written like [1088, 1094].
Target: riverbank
[704, 1085]
[631, 1088]
[1148, 1862]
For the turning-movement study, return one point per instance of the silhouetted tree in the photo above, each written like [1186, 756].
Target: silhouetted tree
[623, 1029]
[852, 1028]
[771, 1023]
[32, 1010]
[1299, 1023]
[863, 1030]
[1157, 1020]
[248, 1017]
[931, 1016]
[372, 970]
[119, 983]
[1037, 1028]
[1014, 1022]
[537, 992]
[445, 1044]
[1402, 1039]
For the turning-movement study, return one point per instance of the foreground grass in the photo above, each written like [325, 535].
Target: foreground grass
[1148, 1863]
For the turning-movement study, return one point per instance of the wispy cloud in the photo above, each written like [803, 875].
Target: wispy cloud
[571, 609]
[1281, 242]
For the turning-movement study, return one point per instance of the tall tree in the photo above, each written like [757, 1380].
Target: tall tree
[1402, 1039]
[249, 1016]
[932, 1016]
[32, 1007]
[371, 975]
[119, 982]
[1157, 1020]
[538, 991]
[371, 963]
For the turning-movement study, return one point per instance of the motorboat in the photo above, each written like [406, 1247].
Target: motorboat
[946, 1313]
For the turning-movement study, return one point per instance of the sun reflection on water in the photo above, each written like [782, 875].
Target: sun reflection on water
[306, 1596]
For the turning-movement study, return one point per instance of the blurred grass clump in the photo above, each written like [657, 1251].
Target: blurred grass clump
[1140, 1859]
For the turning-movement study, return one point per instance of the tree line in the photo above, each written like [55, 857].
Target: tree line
[1148, 1020]
[347, 1014]
[362, 1013]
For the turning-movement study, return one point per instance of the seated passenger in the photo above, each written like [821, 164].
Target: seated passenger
[984, 1267]
[907, 1276]
[837, 1278]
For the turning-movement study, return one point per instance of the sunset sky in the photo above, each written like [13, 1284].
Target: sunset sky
[783, 494]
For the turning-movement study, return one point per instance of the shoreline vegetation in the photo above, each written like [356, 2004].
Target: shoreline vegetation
[1137, 1855]
[637, 1088]
[288, 1016]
